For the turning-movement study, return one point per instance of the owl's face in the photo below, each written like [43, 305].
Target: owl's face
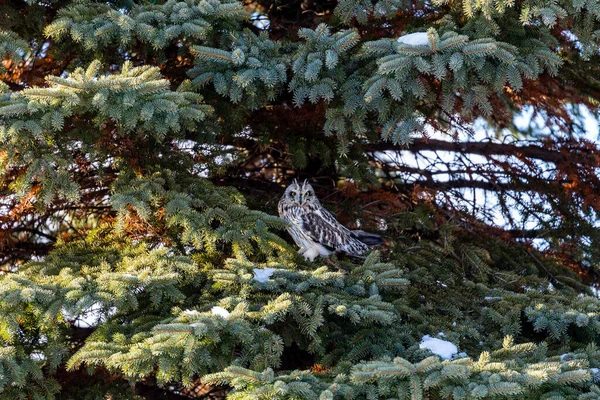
[300, 194]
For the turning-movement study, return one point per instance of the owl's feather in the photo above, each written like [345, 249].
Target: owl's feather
[370, 239]
[323, 228]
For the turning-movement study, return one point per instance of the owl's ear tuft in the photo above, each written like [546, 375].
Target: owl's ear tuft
[295, 181]
[304, 183]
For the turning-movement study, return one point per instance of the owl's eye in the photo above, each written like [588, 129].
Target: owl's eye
[293, 194]
[309, 193]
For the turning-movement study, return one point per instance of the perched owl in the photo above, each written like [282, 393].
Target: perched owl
[315, 230]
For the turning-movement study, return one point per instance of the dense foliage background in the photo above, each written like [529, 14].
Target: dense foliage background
[144, 146]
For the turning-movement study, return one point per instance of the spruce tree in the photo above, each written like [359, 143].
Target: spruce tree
[144, 146]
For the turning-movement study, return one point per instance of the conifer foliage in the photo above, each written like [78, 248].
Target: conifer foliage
[144, 146]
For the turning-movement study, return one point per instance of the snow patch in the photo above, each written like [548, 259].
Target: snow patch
[414, 39]
[442, 348]
[262, 274]
[220, 311]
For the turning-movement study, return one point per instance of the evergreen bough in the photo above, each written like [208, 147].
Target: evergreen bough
[112, 162]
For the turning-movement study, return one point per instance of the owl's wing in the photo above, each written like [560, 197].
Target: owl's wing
[323, 228]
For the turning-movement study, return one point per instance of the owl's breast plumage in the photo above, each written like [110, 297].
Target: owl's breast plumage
[294, 214]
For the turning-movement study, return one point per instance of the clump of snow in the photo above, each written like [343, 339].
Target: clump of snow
[220, 311]
[263, 274]
[442, 348]
[414, 39]
[191, 313]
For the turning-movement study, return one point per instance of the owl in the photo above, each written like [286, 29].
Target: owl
[315, 230]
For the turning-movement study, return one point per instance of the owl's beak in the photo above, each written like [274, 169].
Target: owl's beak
[300, 201]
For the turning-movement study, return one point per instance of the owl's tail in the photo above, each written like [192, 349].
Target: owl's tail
[370, 239]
